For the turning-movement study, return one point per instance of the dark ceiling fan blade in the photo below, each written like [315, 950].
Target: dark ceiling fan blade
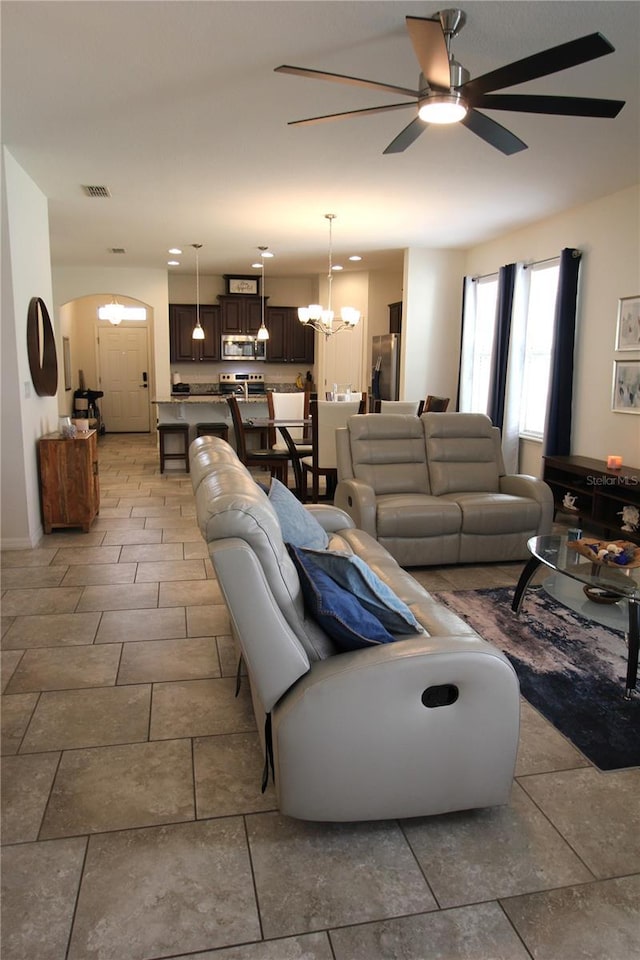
[352, 113]
[539, 65]
[494, 133]
[343, 78]
[561, 106]
[407, 136]
[430, 48]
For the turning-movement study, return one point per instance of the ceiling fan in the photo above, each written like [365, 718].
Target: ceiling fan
[446, 94]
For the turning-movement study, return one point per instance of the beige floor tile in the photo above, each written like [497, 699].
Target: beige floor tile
[40, 884]
[9, 660]
[141, 501]
[542, 748]
[137, 535]
[310, 946]
[190, 535]
[199, 708]
[154, 553]
[32, 577]
[175, 570]
[170, 523]
[228, 776]
[126, 596]
[45, 600]
[160, 891]
[100, 573]
[16, 713]
[27, 558]
[107, 512]
[26, 783]
[115, 523]
[5, 624]
[500, 852]
[117, 626]
[361, 872]
[108, 502]
[118, 787]
[151, 510]
[598, 813]
[208, 620]
[228, 656]
[68, 719]
[185, 594]
[72, 538]
[597, 921]
[46, 630]
[196, 551]
[480, 932]
[86, 555]
[148, 661]
[65, 668]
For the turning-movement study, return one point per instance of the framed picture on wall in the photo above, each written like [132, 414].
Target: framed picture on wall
[626, 386]
[628, 326]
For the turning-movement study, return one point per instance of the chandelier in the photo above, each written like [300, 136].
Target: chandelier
[315, 314]
[198, 332]
[113, 312]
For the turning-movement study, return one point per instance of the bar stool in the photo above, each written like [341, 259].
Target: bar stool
[218, 429]
[174, 429]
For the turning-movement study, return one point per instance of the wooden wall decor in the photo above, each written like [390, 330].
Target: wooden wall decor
[41, 349]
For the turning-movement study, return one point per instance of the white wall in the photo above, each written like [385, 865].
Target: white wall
[26, 273]
[430, 344]
[608, 233]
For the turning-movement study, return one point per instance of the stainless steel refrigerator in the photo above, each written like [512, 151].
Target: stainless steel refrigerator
[385, 364]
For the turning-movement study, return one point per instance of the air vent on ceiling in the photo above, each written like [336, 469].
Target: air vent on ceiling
[117, 250]
[96, 191]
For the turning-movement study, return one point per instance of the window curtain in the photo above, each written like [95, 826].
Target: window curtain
[465, 378]
[515, 369]
[559, 401]
[500, 352]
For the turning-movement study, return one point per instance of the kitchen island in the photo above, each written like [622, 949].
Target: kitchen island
[207, 408]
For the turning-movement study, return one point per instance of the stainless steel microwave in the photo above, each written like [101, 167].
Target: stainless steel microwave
[236, 346]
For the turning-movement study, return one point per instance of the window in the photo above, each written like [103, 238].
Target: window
[128, 313]
[482, 338]
[537, 349]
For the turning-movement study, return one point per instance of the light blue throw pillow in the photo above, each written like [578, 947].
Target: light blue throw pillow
[298, 525]
[356, 576]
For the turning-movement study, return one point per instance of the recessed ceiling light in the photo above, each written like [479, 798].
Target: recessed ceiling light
[355, 257]
[267, 253]
[173, 263]
[175, 250]
[337, 266]
[258, 266]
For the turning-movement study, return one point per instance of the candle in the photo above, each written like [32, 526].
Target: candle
[613, 462]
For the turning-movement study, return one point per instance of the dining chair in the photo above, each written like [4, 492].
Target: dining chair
[435, 404]
[276, 461]
[326, 417]
[409, 407]
[293, 406]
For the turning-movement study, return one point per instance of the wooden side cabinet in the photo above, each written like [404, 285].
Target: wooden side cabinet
[69, 484]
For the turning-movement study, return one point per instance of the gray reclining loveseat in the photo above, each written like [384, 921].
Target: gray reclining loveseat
[423, 725]
[433, 489]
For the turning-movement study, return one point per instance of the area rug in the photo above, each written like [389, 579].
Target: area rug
[570, 669]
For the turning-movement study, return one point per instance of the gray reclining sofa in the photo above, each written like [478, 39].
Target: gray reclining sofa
[424, 725]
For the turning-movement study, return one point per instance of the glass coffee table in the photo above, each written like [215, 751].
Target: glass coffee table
[554, 552]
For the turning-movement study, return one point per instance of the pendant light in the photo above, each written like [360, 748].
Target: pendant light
[198, 332]
[316, 316]
[113, 312]
[263, 333]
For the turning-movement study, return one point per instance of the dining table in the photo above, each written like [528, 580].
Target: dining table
[284, 424]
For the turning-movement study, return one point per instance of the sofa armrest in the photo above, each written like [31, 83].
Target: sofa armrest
[359, 501]
[522, 485]
[330, 517]
[355, 740]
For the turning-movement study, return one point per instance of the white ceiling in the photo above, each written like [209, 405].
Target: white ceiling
[174, 106]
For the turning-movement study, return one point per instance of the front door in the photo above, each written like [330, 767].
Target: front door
[124, 364]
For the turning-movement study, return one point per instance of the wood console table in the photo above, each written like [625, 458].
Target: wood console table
[69, 485]
[594, 493]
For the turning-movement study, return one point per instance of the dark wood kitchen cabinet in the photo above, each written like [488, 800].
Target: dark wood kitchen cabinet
[240, 313]
[182, 320]
[69, 484]
[289, 340]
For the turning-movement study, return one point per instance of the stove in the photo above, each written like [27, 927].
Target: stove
[237, 383]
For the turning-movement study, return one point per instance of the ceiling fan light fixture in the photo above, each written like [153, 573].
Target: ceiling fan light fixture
[442, 108]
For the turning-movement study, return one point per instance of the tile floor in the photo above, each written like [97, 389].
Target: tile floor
[133, 824]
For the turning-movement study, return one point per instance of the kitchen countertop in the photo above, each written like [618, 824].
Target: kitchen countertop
[209, 398]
